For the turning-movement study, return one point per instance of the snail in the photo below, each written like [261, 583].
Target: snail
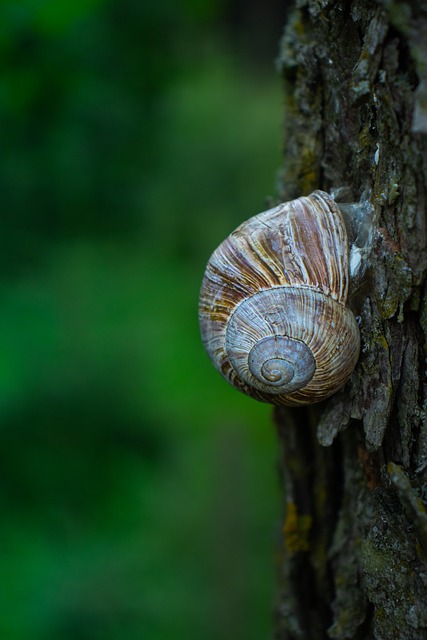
[273, 314]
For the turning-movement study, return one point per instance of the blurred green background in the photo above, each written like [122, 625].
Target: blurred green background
[138, 491]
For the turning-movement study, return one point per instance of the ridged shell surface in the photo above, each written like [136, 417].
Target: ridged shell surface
[272, 306]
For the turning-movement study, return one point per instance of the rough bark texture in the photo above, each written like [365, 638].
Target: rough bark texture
[353, 560]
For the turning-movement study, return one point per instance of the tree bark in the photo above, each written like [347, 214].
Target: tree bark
[353, 558]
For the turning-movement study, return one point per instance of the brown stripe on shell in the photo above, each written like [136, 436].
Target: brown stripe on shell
[316, 242]
[299, 242]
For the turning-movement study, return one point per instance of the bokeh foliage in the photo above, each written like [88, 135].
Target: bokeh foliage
[137, 490]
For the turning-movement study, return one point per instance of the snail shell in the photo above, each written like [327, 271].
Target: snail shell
[273, 312]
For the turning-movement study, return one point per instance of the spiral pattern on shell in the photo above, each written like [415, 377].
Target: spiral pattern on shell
[272, 306]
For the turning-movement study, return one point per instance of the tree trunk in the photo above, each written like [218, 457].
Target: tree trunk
[353, 559]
